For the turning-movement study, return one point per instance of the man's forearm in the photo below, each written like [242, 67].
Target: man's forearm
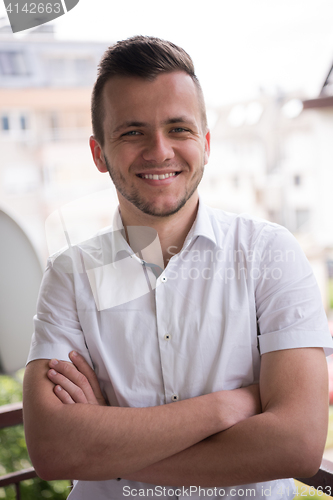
[97, 443]
[261, 448]
[286, 440]
[170, 444]
[83, 441]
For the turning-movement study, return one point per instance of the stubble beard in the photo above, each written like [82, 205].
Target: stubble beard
[133, 196]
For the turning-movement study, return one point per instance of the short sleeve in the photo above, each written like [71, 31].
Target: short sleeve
[57, 329]
[290, 312]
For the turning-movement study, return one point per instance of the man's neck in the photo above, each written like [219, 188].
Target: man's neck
[171, 230]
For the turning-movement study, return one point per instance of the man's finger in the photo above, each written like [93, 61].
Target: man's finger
[69, 378]
[89, 373]
[63, 395]
[74, 391]
[75, 382]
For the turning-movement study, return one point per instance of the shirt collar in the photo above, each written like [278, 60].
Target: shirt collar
[119, 242]
[123, 249]
[202, 225]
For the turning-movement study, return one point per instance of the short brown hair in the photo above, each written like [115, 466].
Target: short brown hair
[144, 57]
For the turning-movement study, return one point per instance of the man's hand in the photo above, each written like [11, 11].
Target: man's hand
[75, 383]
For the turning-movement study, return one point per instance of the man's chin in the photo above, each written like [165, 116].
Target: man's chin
[160, 210]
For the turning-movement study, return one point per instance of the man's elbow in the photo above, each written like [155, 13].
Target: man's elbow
[48, 450]
[46, 462]
[54, 460]
[307, 456]
[307, 468]
[46, 471]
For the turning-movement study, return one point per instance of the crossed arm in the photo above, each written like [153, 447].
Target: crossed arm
[220, 439]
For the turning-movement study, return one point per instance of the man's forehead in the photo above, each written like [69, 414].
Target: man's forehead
[165, 76]
[167, 85]
[175, 93]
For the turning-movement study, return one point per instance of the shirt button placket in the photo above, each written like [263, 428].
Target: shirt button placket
[166, 351]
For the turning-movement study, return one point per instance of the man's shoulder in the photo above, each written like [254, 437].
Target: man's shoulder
[83, 255]
[242, 225]
[230, 218]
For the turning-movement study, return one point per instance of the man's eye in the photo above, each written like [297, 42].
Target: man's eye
[132, 132]
[179, 129]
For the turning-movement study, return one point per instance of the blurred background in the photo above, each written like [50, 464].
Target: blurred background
[266, 71]
[266, 68]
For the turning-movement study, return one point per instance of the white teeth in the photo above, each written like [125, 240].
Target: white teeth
[158, 177]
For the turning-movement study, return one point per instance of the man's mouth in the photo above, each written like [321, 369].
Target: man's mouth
[156, 177]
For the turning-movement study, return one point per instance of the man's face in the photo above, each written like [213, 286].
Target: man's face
[154, 145]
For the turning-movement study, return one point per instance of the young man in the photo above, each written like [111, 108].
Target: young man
[232, 304]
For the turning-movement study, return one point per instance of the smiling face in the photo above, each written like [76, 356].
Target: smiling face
[154, 145]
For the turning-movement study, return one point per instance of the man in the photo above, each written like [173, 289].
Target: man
[179, 362]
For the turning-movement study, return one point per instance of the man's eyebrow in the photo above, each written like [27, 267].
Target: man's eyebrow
[179, 119]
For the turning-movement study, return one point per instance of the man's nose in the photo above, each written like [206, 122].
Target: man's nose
[158, 149]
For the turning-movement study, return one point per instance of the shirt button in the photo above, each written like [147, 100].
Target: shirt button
[174, 397]
[164, 279]
[167, 336]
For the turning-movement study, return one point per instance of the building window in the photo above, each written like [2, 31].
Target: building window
[84, 71]
[330, 269]
[58, 69]
[53, 125]
[5, 122]
[302, 218]
[23, 122]
[274, 216]
[12, 63]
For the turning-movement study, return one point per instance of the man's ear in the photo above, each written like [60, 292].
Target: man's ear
[97, 154]
[207, 146]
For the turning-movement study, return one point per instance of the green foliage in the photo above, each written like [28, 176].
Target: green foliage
[14, 455]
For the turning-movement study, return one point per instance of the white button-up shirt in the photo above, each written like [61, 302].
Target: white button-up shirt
[240, 287]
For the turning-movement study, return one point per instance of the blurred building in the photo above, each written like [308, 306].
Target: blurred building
[320, 112]
[273, 157]
[45, 91]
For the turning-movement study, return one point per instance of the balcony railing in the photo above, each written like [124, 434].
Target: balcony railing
[12, 415]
